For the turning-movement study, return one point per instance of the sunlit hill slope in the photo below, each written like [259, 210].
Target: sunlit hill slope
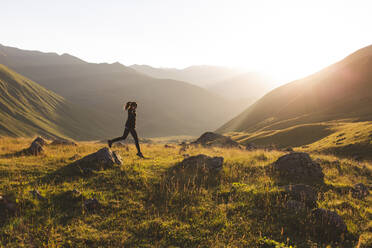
[307, 110]
[27, 109]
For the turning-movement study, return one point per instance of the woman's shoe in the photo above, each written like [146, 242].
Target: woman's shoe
[139, 154]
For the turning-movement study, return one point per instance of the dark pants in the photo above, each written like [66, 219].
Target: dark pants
[133, 132]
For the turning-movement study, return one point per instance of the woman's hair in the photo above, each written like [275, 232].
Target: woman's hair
[129, 104]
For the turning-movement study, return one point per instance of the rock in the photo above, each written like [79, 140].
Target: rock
[250, 147]
[360, 191]
[36, 147]
[92, 204]
[102, 159]
[210, 139]
[298, 167]
[302, 193]
[195, 172]
[295, 206]
[41, 141]
[7, 205]
[36, 194]
[63, 142]
[117, 158]
[328, 224]
[201, 161]
[168, 146]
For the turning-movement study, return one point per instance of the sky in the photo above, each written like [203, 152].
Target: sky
[285, 39]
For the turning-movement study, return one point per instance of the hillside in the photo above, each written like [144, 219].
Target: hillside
[202, 75]
[338, 92]
[165, 107]
[139, 203]
[243, 89]
[27, 109]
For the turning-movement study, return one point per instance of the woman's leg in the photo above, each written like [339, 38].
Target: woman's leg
[125, 135]
[135, 137]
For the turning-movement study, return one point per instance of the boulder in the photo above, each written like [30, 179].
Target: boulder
[194, 172]
[203, 162]
[298, 167]
[102, 159]
[210, 139]
[328, 224]
[301, 193]
[360, 191]
[41, 141]
[36, 147]
[63, 142]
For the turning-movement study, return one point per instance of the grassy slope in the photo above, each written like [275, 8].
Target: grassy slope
[314, 110]
[28, 109]
[142, 209]
[340, 91]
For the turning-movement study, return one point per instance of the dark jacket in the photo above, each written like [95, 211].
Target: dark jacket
[131, 121]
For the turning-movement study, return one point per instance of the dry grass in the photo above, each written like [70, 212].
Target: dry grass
[143, 207]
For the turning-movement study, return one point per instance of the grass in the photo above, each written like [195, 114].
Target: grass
[142, 206]
[342, 138]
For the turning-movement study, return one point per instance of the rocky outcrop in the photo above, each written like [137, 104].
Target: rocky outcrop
[210, 139]
[102, 159]
[298, 167]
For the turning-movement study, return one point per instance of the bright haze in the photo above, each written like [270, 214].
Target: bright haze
[283, 39]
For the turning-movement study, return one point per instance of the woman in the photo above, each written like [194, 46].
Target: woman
[130, 126]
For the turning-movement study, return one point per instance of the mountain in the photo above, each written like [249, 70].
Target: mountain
[243, 89]
[27, 109]
[306, 110]
[202, 75]
[165, 107]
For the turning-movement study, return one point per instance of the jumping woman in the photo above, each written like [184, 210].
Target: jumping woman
[130, 126]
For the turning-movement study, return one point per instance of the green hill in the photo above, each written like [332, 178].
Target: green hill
[165, 107]
[27, 109]
[304, 111]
